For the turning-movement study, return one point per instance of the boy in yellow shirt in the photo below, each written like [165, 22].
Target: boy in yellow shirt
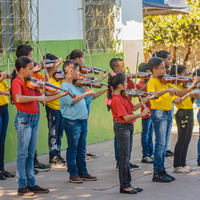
[161, 116]
[55, 124]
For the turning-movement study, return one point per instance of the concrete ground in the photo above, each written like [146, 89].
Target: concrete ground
[106, 187]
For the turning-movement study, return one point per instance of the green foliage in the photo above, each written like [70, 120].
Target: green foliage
[174, 30]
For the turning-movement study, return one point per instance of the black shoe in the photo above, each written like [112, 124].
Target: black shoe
[139, 189]
[62, 161]
[57, 162]
[41, 167]
[147, 159]
[91, 155]
[161, 177]
[133, 191]
[2, 177]
[169, 153]
[25, 192]
[168, 175]
[7, 174]
[198, 163]
[135, 167]
[38, 189]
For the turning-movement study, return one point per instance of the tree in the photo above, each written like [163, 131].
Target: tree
[174, 31]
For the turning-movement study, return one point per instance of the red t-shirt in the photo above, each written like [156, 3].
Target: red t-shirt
[148, 104]
[19, 87]
[121, 106]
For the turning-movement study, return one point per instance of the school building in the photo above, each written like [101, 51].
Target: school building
[112, 28]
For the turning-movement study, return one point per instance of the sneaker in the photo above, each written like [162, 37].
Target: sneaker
[62, 161]
[147, 159]
[41, 167]
[2, 177]
[134, 167]
[7, 174]
[172, 178]
[161, 177]
[38, 189]
[191, 169]
[91, 155]
[152, 157]
[25, 192]
[181, 170]
[35, 171]
[75, 179]
[117, 168]
[169, 153]
[88, 177]
[57, 162]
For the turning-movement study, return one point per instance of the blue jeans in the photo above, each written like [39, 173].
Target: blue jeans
[26, 126]
[124, 134]
[55, 125]
[147, 137]
[162, 121]
[4, 118]
[198, 145]
[76, 132]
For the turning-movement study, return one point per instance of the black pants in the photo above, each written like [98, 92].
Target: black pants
[123, 133]
[184, 120]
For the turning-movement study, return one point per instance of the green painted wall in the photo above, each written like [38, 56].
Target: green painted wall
[100, 120]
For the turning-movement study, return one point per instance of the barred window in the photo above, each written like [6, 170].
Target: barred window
[19, 23]
[102, 24]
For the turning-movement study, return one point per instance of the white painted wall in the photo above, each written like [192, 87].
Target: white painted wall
[132, 31]
[60, 20]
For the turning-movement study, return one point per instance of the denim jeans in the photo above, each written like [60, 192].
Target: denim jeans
[162, 121]
[4, 118]
[76, 132]
[26, 126]
[55, 125]
[147, 137]
[185, 122]
[124, 134]
[198, 145]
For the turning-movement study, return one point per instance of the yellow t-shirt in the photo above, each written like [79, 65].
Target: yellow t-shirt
[164, 102]
[56, 103]
[186, 104]
[4, 87]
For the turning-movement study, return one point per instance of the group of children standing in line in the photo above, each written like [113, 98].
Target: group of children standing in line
[70, 113]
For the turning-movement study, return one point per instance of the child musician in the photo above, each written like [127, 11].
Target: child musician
[147, 126]
[161, 116]
[185, 120]
[122, 111]
[4, 118]
[117, 65]
[26, 124]
[75, 114]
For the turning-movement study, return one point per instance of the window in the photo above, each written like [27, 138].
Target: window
[102, 24]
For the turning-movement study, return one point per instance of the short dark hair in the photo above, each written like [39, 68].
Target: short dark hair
[50, 56]
[143, 67]
[180, 69]
[114, 63]
[162, 54]
[23, 50]
[154, 63]
[68, 63]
